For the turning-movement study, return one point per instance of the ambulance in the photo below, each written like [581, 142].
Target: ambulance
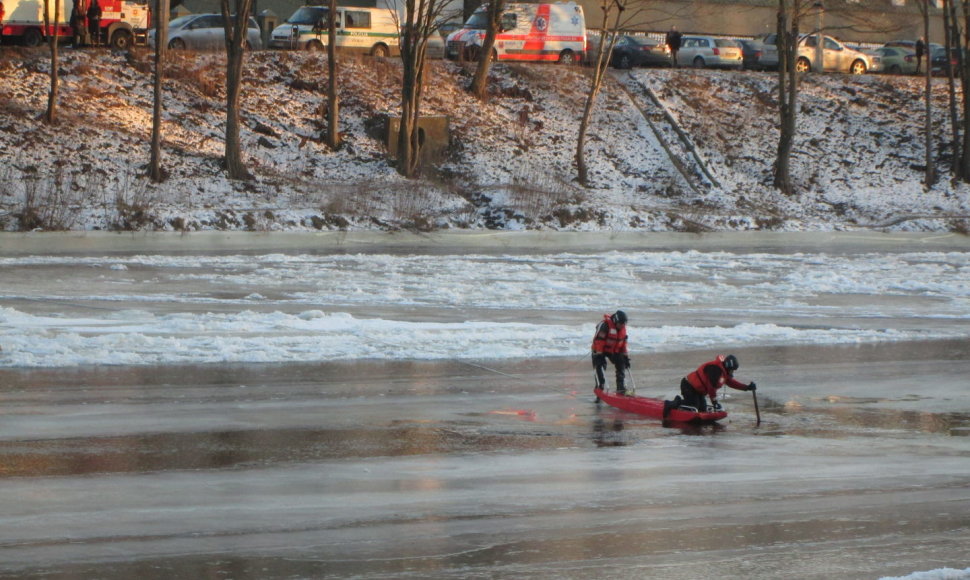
[527, 32]
[372, 31]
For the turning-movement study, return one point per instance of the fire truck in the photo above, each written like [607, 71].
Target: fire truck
[123, 22]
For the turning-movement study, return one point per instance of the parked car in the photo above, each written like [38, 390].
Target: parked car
[837, 57]
[768, 44]
[910, 44]
[940, 56]
[708, 51]
[893, 60]
[436, 45]
[630, 51]
[204, 32]
[750, 54]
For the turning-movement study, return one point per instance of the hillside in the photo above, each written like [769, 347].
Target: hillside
[510, 163]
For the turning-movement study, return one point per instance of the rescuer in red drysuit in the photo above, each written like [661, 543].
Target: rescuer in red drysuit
[609, 344]
[705, 382]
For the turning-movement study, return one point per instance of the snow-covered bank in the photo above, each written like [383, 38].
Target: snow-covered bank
[511, 161]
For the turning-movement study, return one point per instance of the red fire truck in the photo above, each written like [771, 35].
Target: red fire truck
[123, 22]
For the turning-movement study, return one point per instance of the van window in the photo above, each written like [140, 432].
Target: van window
[509, 21]
[356, 19]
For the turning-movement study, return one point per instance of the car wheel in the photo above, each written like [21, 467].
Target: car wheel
[176, 44]
[858, 68]
[802, 65]
[314, 46]
[33, 37]
[895, 70]
[698, 62]
[624, 62]
[566, 57]
[380, 50]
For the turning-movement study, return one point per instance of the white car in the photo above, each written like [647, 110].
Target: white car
[708, 51]
[204, 32]
[837, 57]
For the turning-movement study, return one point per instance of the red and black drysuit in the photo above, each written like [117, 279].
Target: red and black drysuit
[705, 382]
[609, 344]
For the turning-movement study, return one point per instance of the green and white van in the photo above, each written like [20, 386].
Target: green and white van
[371, 31]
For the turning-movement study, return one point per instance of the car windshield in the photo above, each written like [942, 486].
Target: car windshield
[308, 15]
[478, 21]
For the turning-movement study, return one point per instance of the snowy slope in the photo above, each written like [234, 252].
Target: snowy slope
[510, 164]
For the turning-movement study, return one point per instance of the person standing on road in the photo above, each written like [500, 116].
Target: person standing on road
[94, 22]
[920, 51]
[673, 43]
[705, 382]
[609, 344]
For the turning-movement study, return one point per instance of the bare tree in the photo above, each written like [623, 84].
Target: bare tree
[951, 40]
[930, 176]
[161, 41]
[612, 10]
[788, 18]
[51, 115]
[479, 84]
[420, 22]
[959, 41]
[237, 28]
[333, 113]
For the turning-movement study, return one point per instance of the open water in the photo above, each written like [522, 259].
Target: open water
[346, 464]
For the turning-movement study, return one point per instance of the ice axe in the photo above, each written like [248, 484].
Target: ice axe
[757, 413]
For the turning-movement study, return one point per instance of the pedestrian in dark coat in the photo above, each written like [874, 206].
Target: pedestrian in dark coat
[920, 51]
[94, 22]
[673, 43]
[79, 24]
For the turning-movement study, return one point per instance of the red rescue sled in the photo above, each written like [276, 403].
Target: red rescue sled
[655, 408]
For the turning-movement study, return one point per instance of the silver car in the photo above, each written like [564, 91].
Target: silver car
[708, 51]
[836, 56]
[204, 32]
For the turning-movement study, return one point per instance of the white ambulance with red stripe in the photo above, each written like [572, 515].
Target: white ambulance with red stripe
[528, 32]
[123, 22]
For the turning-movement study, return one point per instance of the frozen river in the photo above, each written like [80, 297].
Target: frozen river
[419, 407]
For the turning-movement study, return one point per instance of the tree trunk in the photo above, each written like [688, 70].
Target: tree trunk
[930, 177]
[787, 93]
[161, 33]
[51, 115]
[333, 113]
[420, 22]
[952, 44]
[964, 171]
[479, 86]
[608, 36]
[237, 27]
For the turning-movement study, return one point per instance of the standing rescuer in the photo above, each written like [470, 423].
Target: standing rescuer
[609, 344]
[706, 381]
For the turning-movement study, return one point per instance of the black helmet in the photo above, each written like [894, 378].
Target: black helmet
[619, 317]
[731, 363]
